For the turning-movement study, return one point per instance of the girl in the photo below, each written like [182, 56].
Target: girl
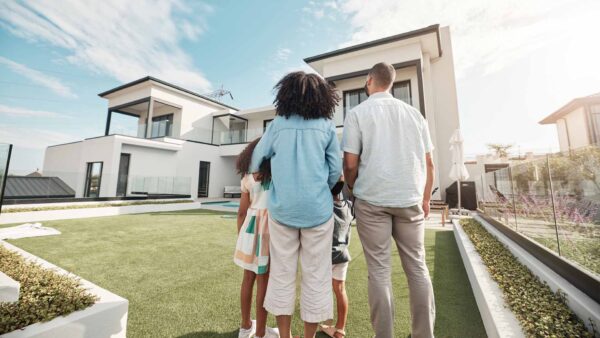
[252, 249]
[303, 149]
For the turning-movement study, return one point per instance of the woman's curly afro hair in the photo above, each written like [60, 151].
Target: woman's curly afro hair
[306, 95]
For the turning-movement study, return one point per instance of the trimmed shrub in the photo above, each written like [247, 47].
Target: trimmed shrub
[541, 312]
[44, 295]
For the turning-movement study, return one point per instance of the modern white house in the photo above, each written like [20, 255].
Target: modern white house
[577, 122]
[187, 143]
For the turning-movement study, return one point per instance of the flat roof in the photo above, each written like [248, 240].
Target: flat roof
[403, 36]
[165, 83]
[569, 107]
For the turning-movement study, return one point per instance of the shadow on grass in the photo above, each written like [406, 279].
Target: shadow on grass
[457, 314]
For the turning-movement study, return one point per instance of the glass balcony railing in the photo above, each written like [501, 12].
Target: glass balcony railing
[237, 136]
[554, 201]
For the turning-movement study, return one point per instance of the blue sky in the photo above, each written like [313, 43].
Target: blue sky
[516, 61]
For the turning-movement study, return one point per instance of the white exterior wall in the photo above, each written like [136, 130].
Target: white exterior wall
[197, 117]
[578, 129]
[64, 161]
[441, 107]
[563, 137]
[365, 59]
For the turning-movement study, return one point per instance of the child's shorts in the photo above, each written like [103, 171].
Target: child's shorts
[338, 271]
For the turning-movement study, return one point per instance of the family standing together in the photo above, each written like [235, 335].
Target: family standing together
[293, 212]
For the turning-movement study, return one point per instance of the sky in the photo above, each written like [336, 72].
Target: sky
[516, 61]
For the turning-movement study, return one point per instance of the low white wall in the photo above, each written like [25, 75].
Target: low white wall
[9, 289]
[50, 215]
[581, 304]
[106, 318]
[498, 320]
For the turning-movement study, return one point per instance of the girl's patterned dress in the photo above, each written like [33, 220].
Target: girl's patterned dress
[252, 249]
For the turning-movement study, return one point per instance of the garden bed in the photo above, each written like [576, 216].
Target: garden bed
[540, 311]
[56, 303]
[44, 294]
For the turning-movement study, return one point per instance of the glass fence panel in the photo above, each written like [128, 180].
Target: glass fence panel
[5, 150]
[576, 187]
[498, 197]
[533, 202]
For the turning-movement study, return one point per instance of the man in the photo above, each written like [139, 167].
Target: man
[389, 169]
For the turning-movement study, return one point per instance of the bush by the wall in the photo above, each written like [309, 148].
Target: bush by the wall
[541, 312]
[44, 295]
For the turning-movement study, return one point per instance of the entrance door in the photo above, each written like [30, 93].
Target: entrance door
[123, 174]
[203, 178]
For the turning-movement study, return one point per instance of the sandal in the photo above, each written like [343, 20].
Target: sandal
[331, 330]
[341, 332]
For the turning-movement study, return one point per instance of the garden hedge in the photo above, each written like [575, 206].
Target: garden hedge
[541, 312]
[44, 295]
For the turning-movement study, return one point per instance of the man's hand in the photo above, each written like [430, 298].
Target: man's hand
[426, 208]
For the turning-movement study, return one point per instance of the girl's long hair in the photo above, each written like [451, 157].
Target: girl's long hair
[242, 164]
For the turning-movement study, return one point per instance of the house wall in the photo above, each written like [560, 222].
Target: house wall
[563, 138]
[441, 106]
[578, 131]
[151, 164]
[64, 161]
[197, 115]
[365, 59]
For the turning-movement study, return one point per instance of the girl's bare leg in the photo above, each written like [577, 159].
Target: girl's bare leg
[341, 297]
[261, 313]
[246, 298]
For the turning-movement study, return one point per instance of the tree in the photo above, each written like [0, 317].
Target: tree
[501, 150]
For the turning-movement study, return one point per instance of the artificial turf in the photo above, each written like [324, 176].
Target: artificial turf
[176, 270]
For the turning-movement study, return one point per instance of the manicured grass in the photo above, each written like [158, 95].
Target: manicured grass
[176, 270]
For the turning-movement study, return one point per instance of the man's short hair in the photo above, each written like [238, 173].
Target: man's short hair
[383, 74]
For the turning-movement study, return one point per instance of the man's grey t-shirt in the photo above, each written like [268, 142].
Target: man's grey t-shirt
[392, 139]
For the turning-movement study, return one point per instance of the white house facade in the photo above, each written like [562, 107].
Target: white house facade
[577, 122]
[191, 143]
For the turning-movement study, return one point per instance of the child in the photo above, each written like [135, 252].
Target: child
[305, 155]
[252, 249]
[340, 256]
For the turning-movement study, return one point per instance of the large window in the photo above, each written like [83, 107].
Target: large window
[400, 90]
[162, 125]
[93, 179]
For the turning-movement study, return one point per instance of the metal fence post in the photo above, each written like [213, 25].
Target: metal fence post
[512, 191]
[553, 203]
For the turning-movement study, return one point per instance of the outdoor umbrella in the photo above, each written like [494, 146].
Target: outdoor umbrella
[458, 172]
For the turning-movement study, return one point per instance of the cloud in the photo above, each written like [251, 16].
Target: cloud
[283, 54]
[487, 36]
[125, 40]
[24, 112]
[32, 138]
[38, 77]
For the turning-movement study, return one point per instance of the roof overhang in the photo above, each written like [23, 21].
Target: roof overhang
[161, 83]
[569, 107]
[428, 38]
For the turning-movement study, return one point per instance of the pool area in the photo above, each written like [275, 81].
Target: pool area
[233, 205]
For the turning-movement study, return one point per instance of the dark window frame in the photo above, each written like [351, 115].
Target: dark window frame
[168, 117]
[266, 124]
[359, 90]
[88, 170]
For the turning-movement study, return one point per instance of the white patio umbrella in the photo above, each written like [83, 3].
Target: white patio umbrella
[458, 171]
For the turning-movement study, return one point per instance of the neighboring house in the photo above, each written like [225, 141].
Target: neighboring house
[191, 144]
[577, 122]
[33, 187]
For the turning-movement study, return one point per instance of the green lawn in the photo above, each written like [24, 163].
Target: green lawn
[176, 270]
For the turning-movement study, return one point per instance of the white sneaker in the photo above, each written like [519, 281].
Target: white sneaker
[270, 333]
[248, 333]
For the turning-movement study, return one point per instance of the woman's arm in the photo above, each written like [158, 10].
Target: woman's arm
[264, 148]
[334, 160]
[243, 209]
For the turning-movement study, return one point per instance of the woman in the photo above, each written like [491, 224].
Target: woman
[303, 148]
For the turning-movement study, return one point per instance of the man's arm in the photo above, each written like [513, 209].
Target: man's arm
[428, 184]
[350, 168]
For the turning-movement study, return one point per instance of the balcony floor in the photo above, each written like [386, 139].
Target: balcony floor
[176, 270]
